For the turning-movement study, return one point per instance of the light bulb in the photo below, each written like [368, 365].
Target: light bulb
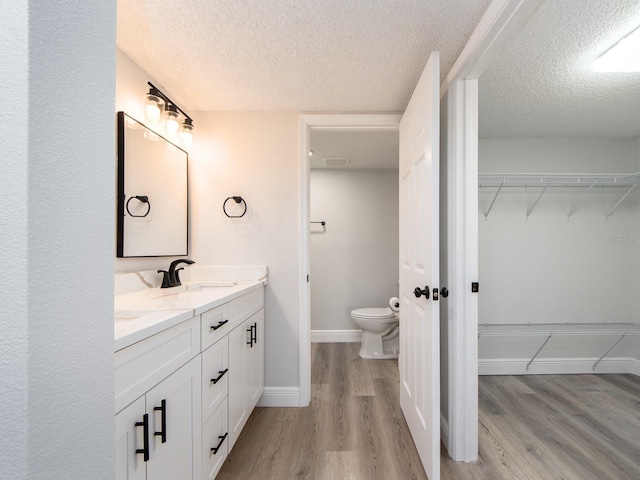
[152, 109]
[187, 132]
[171, 119]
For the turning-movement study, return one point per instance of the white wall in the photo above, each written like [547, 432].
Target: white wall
[547, 269]
[254, 155]
[14, 231]
[354, 261]
[57, 237]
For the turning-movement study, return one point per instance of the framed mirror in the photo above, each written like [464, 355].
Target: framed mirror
[152, 193]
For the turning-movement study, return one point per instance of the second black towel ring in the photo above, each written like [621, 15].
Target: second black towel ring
[142, 199]
[237, 200]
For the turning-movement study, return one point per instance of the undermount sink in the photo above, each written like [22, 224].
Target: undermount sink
[206, 288]
[130, 314]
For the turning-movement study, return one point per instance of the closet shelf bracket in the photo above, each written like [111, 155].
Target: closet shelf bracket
[539, 350]
[621, 200]
[537, 200]
[486, 214]
[607, 352]
[573, 210]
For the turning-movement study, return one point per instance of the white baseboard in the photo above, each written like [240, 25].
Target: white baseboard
[556, 366]
[444, 432]
[280, 397]
[336, 336]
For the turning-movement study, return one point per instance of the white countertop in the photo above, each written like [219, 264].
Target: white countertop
[141, 314]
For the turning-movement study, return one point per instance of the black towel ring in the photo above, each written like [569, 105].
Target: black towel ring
[237, 200]
[142, 199]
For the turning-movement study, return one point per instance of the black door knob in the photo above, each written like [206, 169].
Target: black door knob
[418, 292]
[444, 292]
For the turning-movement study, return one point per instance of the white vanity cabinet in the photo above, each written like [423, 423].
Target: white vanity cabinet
[183, 394]
[158, 435]
[158, 406]
[246, 356]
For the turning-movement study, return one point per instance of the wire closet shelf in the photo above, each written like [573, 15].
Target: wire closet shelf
[568, 180]
[557, 329]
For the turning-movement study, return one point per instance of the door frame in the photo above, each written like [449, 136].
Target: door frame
[330, 122]
[500, 23]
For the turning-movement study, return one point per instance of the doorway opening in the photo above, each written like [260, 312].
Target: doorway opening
[353, 229]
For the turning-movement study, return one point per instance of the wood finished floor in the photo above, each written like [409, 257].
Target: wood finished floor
[567, 427]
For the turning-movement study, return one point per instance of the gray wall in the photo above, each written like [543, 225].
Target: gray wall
[58, 72]
[548, 269]
[354, 261]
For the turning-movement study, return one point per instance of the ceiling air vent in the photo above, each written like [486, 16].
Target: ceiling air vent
[336, 161]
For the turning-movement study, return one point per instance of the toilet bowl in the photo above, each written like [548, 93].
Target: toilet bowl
[380, 328]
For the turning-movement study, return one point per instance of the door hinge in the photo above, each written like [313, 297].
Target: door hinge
[307, 278]
[474, 287]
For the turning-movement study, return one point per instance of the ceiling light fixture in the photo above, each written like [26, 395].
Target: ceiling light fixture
[156, 103]
[624, 56]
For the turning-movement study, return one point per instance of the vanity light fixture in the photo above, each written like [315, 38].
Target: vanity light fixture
[157, 103]
[186, 135]
[171, 119]
[154, 105]
[624, 56]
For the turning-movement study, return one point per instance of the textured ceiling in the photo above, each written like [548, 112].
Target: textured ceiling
[366, 150]
[542, 86]
[293, 55]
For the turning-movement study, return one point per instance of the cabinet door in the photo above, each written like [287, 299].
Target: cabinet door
[130, 438]
[215, 442]
[238, 408]
[174, 425]
[215, 376]
[255, 361]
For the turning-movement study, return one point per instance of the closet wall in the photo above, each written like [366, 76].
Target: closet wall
[354, 259]
[547, 269]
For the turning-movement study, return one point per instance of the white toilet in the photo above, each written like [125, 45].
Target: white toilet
[380, 329]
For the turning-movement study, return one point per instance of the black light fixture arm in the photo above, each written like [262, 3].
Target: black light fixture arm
[156, 91]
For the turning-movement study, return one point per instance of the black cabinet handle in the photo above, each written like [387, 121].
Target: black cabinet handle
[250, 342]
[221, 437]
[221, 323]
[217, 379]
[418, 292]
[254, 327]
[163, 410]
[145, 428]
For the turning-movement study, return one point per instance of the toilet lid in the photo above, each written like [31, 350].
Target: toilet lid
[373, 313]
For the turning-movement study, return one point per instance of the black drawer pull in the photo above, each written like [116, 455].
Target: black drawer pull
[221, 323]
[163, 409]
[145, 427]
[217, 379]
[250, 342]
[221, 437]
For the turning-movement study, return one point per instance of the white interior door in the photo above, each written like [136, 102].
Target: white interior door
[419, 267]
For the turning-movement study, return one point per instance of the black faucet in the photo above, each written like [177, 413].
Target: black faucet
[171, 278]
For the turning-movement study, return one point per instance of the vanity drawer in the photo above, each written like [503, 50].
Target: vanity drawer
[243, 307]
[218, 322]
[215, 435]
[143, 365]
[215, 376]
